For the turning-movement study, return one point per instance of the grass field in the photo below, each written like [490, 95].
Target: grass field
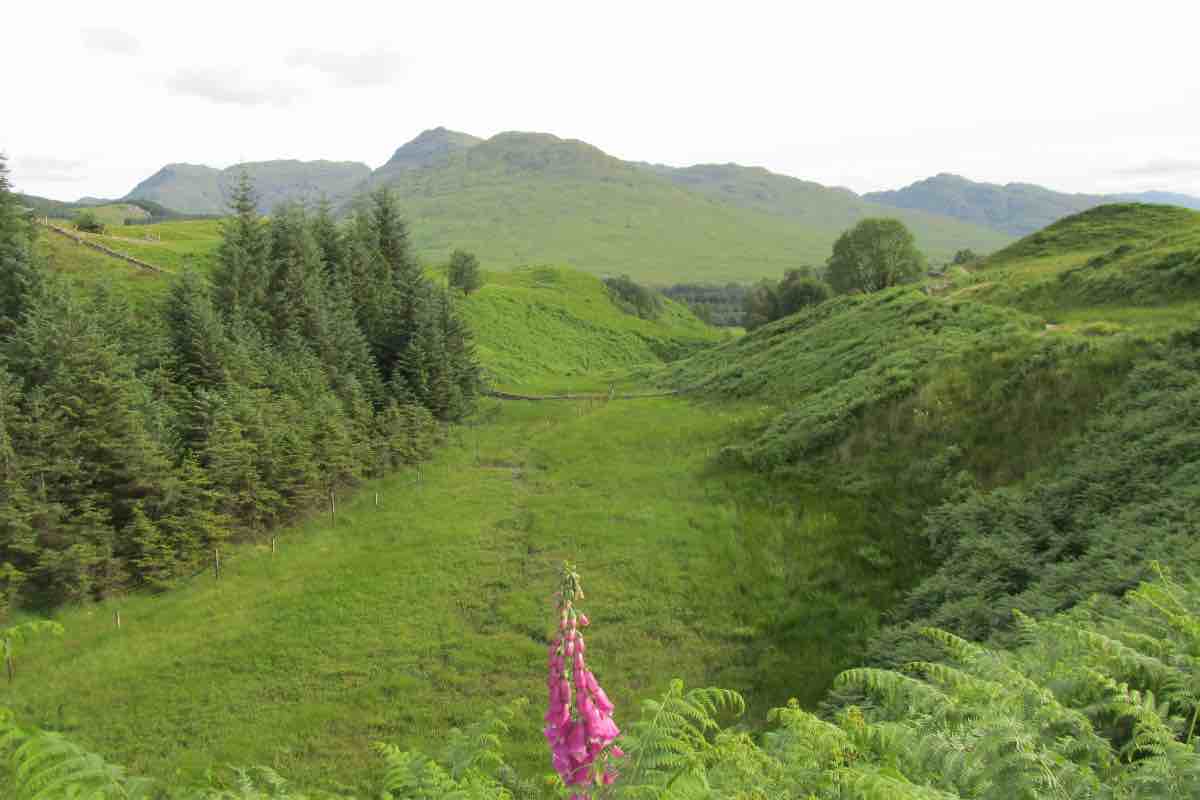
[401, 620]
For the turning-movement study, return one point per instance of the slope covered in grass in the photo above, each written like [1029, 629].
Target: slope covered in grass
[539, 325]
[1035, 462]
[522, 198]
[1114, 256]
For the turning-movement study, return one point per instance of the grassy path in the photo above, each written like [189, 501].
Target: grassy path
[404, 619]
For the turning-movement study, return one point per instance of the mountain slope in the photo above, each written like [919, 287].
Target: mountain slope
[431, 147]
[522, 198]
[1161, 198]
[195, 189]
[812, 204]
[1016, 208]
[530, 198]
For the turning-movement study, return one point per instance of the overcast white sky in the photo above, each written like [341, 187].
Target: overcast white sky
[1077, 96]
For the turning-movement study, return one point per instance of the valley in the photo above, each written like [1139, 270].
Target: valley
[821, 489]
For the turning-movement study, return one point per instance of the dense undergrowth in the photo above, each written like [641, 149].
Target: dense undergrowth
[1099, 703]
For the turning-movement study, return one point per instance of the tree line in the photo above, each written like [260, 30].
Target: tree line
[873, 255]
[134, 441]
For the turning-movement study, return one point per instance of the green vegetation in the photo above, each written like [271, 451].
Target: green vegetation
[1016, 435]
[133, 445]
[88, 222]
[463, 272]
[1110, 260]
[713, 303]
[875, 254]
[541, 328]
[633, 298]
[523, 198]
[767, 302]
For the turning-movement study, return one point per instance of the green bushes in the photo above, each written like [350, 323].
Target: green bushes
[88, 222]
[1122, 494]
[634, 298]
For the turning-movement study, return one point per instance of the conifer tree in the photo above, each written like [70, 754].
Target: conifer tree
[294, 296]
[197, 335]
[241, 274]
[330, 240]
[20, 276]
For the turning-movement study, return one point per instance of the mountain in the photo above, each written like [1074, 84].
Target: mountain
[532, 198]
[196, 189]
[1162, 198]
[1015, 208]
[526, 198]
[431, 147]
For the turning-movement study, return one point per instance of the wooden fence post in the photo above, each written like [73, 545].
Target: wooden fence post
[117, 617]
[332, 508]
[217, 563]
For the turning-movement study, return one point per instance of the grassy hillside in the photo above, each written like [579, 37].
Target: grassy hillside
[522, 198]
[1012, 424]
[1114, 267]
[536, 327]
[539, 326]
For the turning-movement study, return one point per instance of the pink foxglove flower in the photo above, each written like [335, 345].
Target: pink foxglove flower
[579, 725]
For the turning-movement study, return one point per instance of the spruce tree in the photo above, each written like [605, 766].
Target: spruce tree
[241, 274]
[20, 276]
[199, 347]
[330, 240]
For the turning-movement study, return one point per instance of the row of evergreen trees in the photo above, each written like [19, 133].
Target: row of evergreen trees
[133, 443]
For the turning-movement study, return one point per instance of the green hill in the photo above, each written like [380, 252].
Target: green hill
[543, 325]
[1115, 266]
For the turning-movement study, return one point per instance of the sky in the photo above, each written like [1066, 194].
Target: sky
[1076, 96]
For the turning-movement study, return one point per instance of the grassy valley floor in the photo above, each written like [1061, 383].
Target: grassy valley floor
[408, 618]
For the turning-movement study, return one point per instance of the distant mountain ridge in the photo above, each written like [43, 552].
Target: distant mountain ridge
[1014, 208]
[530, 198]
[197, 189]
